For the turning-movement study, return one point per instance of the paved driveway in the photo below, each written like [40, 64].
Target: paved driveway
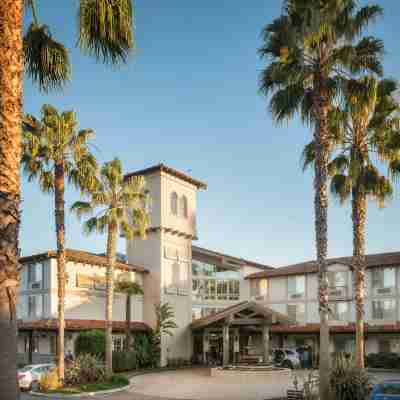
[196, 384]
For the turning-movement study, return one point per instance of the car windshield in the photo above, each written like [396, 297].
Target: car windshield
[391, 388]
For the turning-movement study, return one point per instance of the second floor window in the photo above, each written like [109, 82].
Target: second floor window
[259, 288]
[297, 312]
[384, 310]
[339, 311]
[174, 203]
[183, 207]
[35, 276]
[35, 306]
[296, 286]
[383, 280]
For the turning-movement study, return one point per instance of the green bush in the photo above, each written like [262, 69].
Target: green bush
[86, 368]
[91, 342]
[119, 380]
[349, 382]
[147, 351]
[383, 360]
[124, 361]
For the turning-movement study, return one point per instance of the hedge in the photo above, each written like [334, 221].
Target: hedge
[383, 360]
[91, 342]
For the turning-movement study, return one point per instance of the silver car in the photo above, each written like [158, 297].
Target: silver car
[30, 375]
[286, 358]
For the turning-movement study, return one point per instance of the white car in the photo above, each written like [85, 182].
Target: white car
[30, 375]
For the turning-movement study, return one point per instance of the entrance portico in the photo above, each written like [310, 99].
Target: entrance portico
[240, 333]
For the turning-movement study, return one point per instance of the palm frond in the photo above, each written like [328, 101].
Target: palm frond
[106, 29]
[46, 60]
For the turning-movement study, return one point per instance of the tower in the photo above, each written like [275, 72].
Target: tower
[167, 253]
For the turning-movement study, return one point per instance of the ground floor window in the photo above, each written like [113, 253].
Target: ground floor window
[118, 343]
[384, 346]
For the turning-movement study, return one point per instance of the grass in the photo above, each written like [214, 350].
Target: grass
[115, 383]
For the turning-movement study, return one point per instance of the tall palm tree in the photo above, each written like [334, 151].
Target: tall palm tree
[129, 289]
[309, 49]
[55, 150]
[105, 32]
[365, 134]
[121, 207]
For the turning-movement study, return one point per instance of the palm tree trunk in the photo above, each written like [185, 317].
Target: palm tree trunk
[359, 212]
[111, 253]
[11, 69]
[128, 322]
[321, 137]
[60, 232]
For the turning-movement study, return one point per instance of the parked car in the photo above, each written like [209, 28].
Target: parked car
[386, 390]
[30, 375]
[286, 358]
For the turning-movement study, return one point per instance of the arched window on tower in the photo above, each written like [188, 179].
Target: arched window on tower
[183, 207]
[174, 203]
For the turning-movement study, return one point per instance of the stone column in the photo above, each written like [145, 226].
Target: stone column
[225, 347]
[236, 346]
[265, 335]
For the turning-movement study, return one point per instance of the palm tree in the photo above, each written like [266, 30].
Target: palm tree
[121, 206]
[309, 49]
[129, 289]
[105, 32]
[53, 150]
[366, 126]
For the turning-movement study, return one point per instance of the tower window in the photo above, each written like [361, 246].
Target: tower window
[183, 207]
[174, 203]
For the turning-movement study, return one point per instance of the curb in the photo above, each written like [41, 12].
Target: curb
[83, 394]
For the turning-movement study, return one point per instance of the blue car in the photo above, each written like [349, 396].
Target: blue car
[386, 390]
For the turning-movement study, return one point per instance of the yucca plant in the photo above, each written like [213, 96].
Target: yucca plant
[46, 61]
[121, 207]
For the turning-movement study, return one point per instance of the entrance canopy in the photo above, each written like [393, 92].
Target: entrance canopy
[245, 313]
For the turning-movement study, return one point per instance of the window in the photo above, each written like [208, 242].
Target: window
[296, 312]
[53, 344]
[183, 207]
[384, 310]
[234, 290]
[337, 279]
[222, 290]
[35, 306]
[296, 286]
[384, 346]
[210, 289]
[35, 276]
[174, 203]
[259, 289]
[383, 280]
[339, 310]
[118, 343]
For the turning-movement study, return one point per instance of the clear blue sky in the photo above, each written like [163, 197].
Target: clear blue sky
[189, 98]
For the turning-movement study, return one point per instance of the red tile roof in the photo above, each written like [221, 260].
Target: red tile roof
[170, 171]
[82, 257]
[350, 328]
[79, 324]
[308, 267]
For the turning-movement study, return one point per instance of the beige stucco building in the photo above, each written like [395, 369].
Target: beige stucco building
[201, 285]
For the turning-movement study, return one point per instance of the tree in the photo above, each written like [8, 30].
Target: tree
[165, 323]
[105, 32]
[365, 125]
[121, 207]
[53, 150]
[130, 289]
[309, 49]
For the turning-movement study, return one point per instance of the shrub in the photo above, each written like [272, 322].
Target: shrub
[146, 349]
[86, 368]
[349, 382]
[91, 342]
[383, 360]
[124, 361]
[49, 381]
[119, 380]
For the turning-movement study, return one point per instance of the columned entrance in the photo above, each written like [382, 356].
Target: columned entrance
[238, 334]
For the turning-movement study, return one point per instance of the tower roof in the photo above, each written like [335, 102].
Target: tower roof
[170, 171]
